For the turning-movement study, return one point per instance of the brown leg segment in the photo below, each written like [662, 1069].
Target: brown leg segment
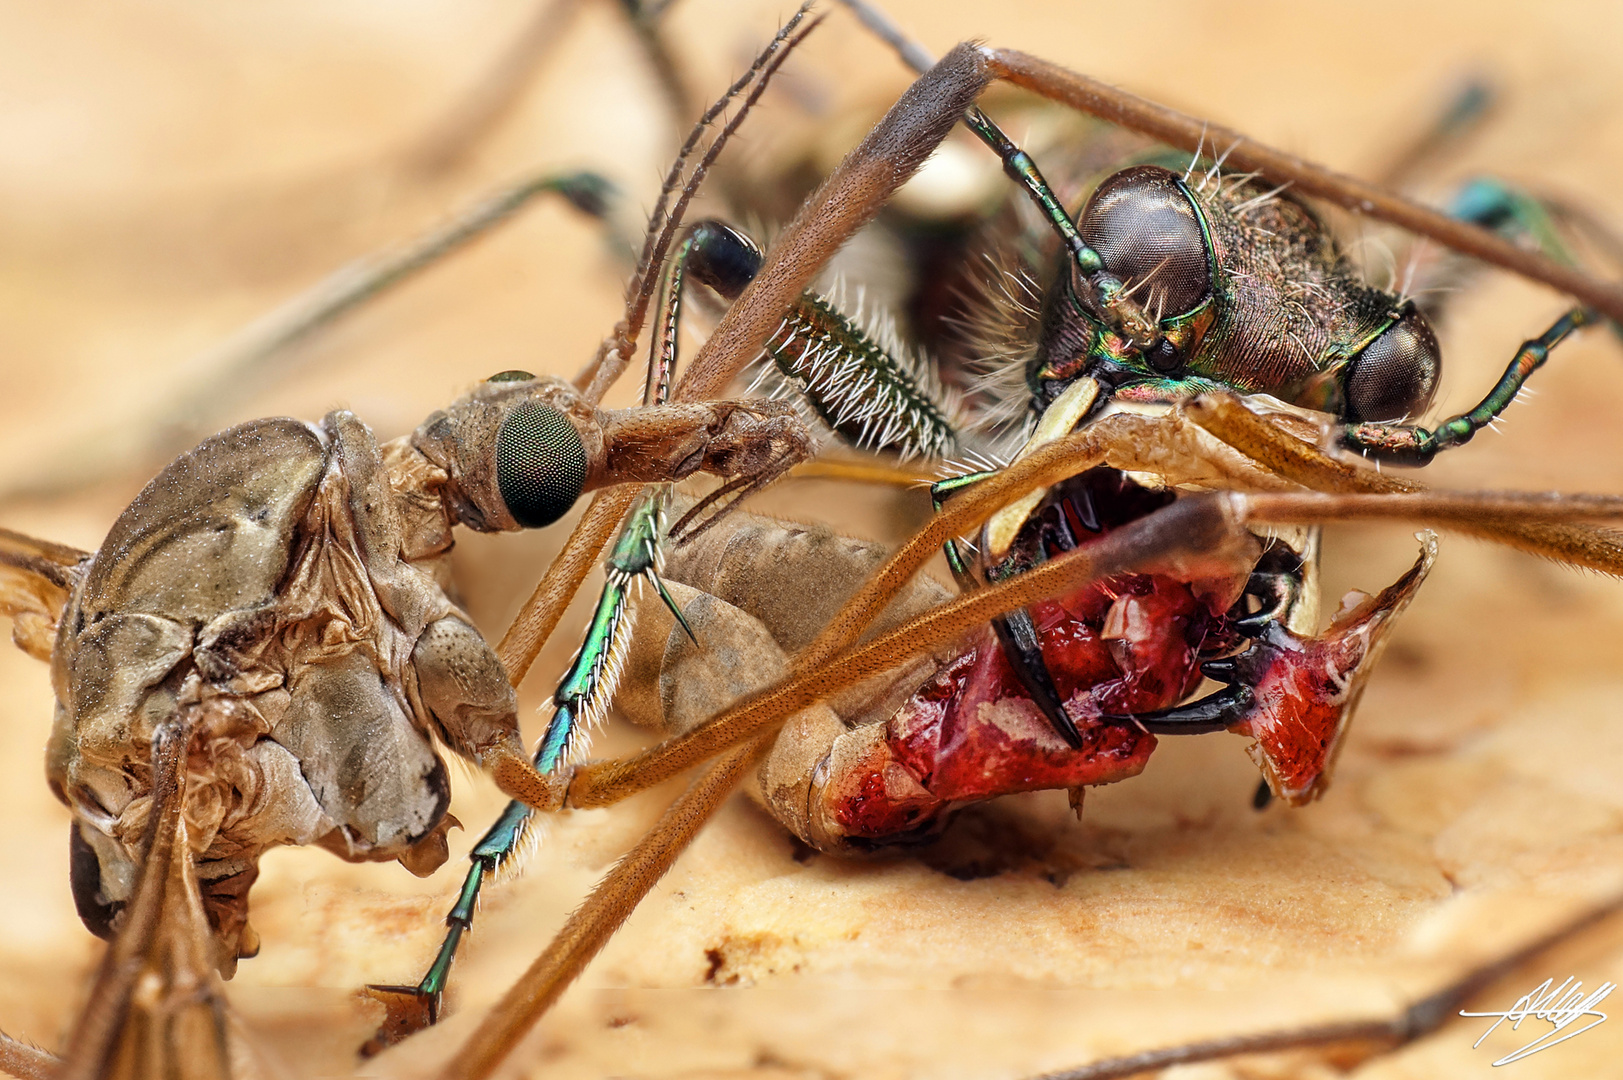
[602, 913]
[26, 1062]
[1225, 417]
[156, 1008]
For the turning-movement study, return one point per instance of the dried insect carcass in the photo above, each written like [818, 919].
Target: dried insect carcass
[263, 652]
[271, 609]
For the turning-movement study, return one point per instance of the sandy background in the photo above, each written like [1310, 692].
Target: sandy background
[168, 172]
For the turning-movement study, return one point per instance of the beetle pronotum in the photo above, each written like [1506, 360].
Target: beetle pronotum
[1022, 912]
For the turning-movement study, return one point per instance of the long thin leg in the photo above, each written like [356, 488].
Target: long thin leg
[242, 358]
[1246, 155]
[469, 121]
[665, 221]
[1470, 103]
[1370, 1037]
[847, 200]
[1225, 417]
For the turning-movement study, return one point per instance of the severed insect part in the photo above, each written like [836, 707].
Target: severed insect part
[858, 380]
[280, 587]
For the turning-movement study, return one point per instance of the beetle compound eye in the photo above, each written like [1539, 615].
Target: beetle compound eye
[1395, 375]
[513, 375]
[540, 464]
[1146, 231]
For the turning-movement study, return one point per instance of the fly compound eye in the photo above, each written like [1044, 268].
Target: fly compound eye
[540, 464]
[1395, 375]
[1145, 228]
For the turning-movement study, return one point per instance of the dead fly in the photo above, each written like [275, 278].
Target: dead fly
[262, 653]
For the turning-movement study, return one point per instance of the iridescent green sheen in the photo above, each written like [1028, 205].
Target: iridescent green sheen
[1412, 445]
[579, 694]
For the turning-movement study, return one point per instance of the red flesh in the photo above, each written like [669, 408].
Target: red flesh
[971, 732]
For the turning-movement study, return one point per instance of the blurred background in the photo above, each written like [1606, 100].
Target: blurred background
[172, 172]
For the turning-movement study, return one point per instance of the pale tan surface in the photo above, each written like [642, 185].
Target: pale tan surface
[167, 172]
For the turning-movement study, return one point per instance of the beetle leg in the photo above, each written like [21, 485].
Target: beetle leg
[1410, 444]
[578, 703]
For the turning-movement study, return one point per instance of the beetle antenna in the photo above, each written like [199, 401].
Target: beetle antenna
[666, 219]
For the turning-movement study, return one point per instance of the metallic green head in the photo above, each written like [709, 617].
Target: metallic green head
[1250, 294]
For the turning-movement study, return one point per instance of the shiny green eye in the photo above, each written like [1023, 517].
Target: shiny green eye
[515, 375]
[540, 464]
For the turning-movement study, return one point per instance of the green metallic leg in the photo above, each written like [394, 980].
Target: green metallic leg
[579, 702]
[1408, 444]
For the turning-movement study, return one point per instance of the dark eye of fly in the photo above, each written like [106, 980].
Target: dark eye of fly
[540, 464]
[1395, 375]
[1147, 233]
[514, 375]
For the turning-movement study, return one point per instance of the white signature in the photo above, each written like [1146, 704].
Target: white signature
[1562, 1006]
